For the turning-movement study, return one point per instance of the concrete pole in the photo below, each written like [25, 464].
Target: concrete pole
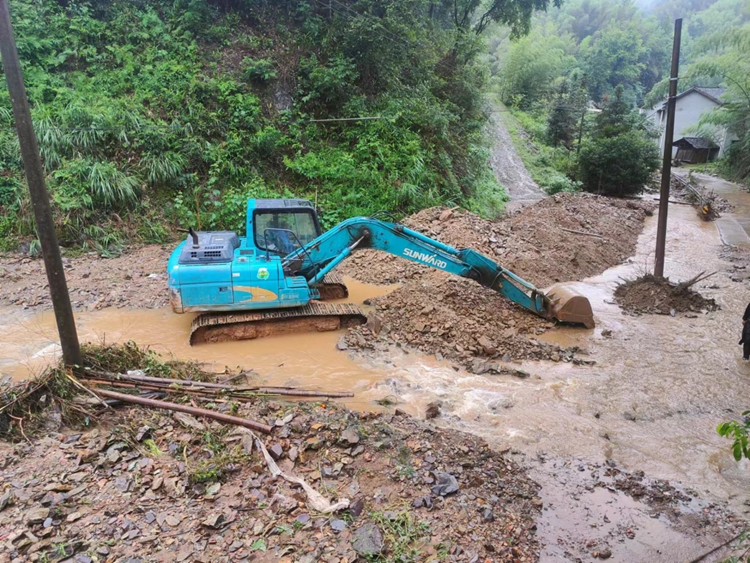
[666, 171]
[32, 164]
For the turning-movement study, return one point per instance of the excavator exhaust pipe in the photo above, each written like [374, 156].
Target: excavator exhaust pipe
[569, 306]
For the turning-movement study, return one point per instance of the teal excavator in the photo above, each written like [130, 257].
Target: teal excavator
[279, 277]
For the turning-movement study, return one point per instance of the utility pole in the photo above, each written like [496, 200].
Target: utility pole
[32, 164]
[666, 169]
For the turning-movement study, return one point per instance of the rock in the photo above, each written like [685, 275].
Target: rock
[433, 410]
[368, 540]
[445, 215]
[425, 501]
[487, 515]
[73, 516]
[293, 453]
[172, 520]
[338, 525]
[143, 433]
[446, 484]
[37, 515]
[604, 554]
[102, 550]
[374, 323]
[6, 499]
[356, 508]
[349, 436]
[213, 489]
[214, 521]
[487, 345]
[628, 416]
[188, 421]
[399, 412]
[276, 451]
[341, 344]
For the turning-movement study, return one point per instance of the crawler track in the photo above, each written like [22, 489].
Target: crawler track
[314, 317]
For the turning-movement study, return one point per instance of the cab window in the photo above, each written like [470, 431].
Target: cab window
[299, 222]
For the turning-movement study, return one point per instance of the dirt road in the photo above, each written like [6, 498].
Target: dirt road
[509, 168]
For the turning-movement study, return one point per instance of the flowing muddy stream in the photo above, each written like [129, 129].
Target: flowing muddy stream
[651, 403]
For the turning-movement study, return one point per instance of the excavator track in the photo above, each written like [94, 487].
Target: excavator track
[333, 287]
[313, 317]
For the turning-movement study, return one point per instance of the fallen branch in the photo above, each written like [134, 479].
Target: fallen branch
[225, 418]
[581, 233]
[692, 281]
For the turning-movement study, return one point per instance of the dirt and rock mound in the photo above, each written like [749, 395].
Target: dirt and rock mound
[562, 238]
[149, 485]
[660, 296]
[135, 279]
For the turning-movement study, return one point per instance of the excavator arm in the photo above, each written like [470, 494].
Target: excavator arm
[322, 255]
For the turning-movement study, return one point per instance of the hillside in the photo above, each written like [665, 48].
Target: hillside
[152, 114]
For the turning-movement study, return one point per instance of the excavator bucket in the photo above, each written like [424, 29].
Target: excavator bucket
[569, 306]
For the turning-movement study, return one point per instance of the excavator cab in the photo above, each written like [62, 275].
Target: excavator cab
[281, 226]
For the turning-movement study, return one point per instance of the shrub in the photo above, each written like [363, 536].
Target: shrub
[617, 166]
[259, 70]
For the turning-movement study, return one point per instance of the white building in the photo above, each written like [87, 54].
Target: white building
[689, 107]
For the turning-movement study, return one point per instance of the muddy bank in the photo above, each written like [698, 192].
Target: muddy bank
[565, 237]
[659, 296]
[152, 485]
[135, 279]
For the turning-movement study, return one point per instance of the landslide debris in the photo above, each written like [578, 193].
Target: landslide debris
[148, 485]
[135, 279]
[660, 296]
[562, 238]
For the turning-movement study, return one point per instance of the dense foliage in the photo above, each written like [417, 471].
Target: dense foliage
[154, 113]
[577, 57]
[620, 156]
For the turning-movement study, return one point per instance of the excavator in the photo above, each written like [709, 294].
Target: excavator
[278, 277]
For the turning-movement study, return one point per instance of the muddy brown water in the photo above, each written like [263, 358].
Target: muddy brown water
[652, 401]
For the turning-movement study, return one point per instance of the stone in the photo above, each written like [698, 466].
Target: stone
[214, 521]
[37, 515]
[604, 554]
[368, 540]
[341, 344]
[487, 345]
[276, 451]
[293, 453]
[188, 421]
[629, 416]
[433, 410]
[102, 550]
[213, 489]
[446, 485]
[356, 508]
[6, 499]
[338, 525]
[445, 215]
[349, 436]
[374, 323]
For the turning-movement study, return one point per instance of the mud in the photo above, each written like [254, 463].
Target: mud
[562, 238]
[556, 239]
[136, 279]
[648, 294]
[150, 486]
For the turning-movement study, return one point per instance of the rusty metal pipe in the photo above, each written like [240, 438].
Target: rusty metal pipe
[225, 418]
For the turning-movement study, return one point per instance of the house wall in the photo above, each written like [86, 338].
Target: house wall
[689, 109]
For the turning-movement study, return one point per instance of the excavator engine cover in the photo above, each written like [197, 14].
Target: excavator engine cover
[569, 306]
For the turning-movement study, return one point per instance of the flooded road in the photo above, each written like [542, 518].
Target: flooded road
[651, 402]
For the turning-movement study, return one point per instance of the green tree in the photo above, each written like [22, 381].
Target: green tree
[620, 156]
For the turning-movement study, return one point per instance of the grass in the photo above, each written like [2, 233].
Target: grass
[404, 536]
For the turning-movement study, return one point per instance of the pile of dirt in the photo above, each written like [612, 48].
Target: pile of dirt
[457, 319]
[135, 279]
[660, 296]
[562, 238]
[149, 485]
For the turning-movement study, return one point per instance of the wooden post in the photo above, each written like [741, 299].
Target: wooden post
[666, 170]
[32, 164]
